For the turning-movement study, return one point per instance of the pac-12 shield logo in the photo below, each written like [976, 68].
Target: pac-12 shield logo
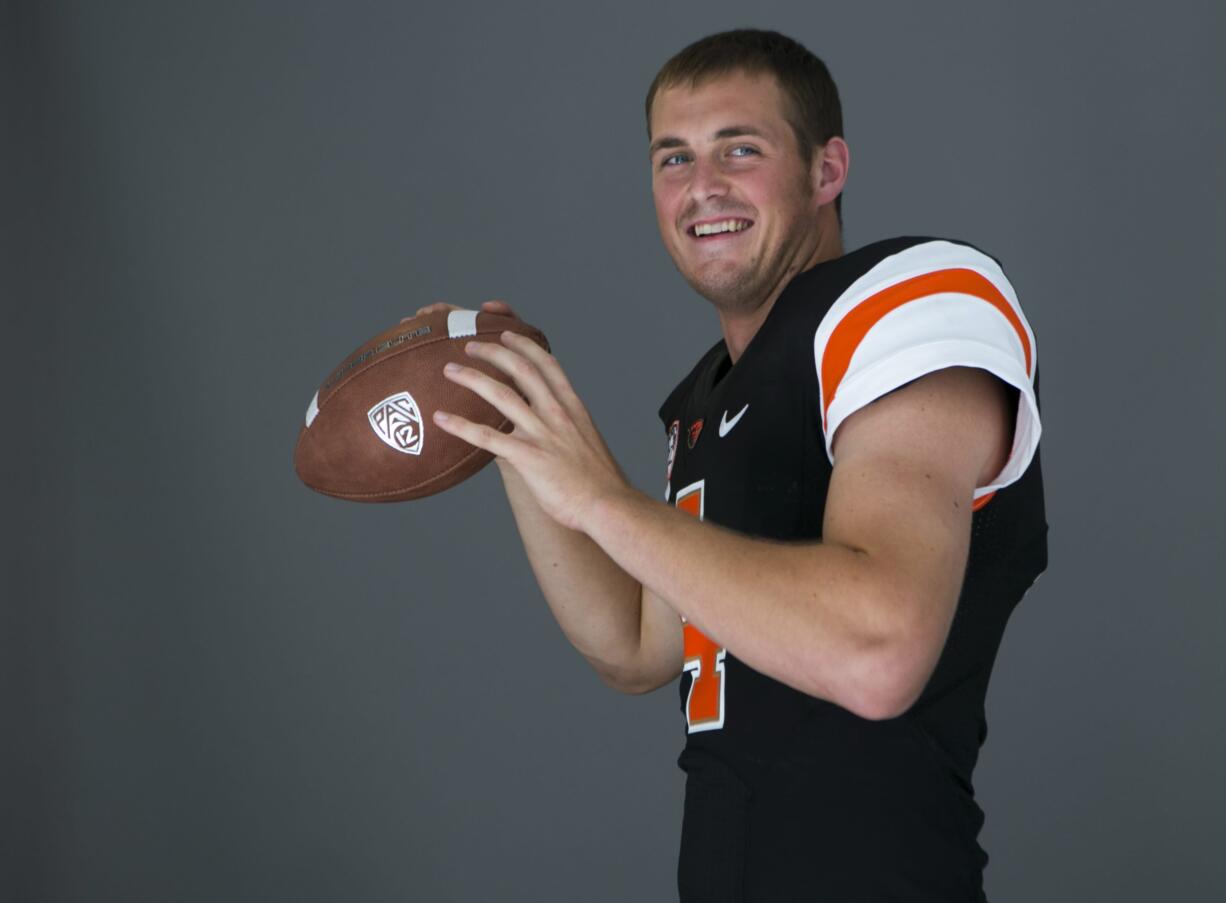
[674, 433]
[397, 421]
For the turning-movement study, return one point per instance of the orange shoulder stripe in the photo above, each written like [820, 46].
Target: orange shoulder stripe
[848, 334]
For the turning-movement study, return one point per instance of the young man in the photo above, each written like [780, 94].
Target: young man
[854, 503]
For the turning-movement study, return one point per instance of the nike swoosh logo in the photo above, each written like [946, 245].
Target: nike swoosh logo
[726, 425]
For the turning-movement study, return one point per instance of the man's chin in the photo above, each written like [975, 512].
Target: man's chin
[730, 291]
[730, 299]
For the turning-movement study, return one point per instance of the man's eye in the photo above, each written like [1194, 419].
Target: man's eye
[669, 161]
[743, 147]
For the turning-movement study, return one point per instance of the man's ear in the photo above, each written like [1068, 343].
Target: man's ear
[831, 163]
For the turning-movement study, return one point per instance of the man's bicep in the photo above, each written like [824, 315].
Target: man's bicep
[905, 471]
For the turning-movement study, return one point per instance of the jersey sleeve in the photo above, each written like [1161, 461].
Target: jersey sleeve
[934, 305]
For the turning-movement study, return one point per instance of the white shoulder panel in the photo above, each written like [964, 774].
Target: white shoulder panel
[935, 305]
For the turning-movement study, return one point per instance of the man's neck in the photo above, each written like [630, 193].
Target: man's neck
[739, 329]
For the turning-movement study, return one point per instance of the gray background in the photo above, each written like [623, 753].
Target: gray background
[219, 685]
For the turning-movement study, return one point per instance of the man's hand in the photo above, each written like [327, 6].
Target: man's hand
[629, 636]
[554, 446]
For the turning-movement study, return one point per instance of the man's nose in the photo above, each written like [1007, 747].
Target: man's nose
[707, 179]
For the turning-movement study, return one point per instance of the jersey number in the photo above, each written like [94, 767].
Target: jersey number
[704, 709]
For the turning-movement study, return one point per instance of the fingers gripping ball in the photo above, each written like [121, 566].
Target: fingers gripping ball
[368, 434]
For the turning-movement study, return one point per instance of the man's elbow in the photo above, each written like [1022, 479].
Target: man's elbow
[640, 688]
[632, 682]
[630, 687]
[882, 705]
[887, 686]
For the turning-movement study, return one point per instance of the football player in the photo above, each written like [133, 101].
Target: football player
[853, 503]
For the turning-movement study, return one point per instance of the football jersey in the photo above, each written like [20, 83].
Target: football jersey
[792, 797]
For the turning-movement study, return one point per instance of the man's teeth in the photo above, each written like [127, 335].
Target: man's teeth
[728, 225]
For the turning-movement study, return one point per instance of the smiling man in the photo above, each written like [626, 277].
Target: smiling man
[853, 507]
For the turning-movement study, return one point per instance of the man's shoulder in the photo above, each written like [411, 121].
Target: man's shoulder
[818, 297]
[823, 296]
[912, 307]
[904, 252]
[812, 293]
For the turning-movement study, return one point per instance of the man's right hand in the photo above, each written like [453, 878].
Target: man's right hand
[631, 637]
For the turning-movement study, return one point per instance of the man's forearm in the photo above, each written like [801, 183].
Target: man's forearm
[743, 594]
[596, 603]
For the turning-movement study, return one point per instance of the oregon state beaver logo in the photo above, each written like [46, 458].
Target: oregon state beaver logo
[695, 429]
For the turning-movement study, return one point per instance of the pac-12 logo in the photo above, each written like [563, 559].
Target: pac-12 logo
[674, 436]
[397, 421]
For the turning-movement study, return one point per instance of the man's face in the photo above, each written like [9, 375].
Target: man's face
[721, 152]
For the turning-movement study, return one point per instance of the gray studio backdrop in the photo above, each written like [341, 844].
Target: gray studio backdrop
[221, 686]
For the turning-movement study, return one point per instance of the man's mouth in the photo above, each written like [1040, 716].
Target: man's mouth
[715, 228]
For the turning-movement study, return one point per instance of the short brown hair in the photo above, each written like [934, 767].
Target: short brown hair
[816, 115]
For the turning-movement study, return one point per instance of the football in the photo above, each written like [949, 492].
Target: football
[369, 435]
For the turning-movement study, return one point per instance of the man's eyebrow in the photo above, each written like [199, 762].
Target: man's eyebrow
[731, 131]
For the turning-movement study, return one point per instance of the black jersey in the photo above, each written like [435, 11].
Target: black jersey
[790, 797]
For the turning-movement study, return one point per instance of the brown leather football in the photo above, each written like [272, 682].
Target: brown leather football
[369, 434]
